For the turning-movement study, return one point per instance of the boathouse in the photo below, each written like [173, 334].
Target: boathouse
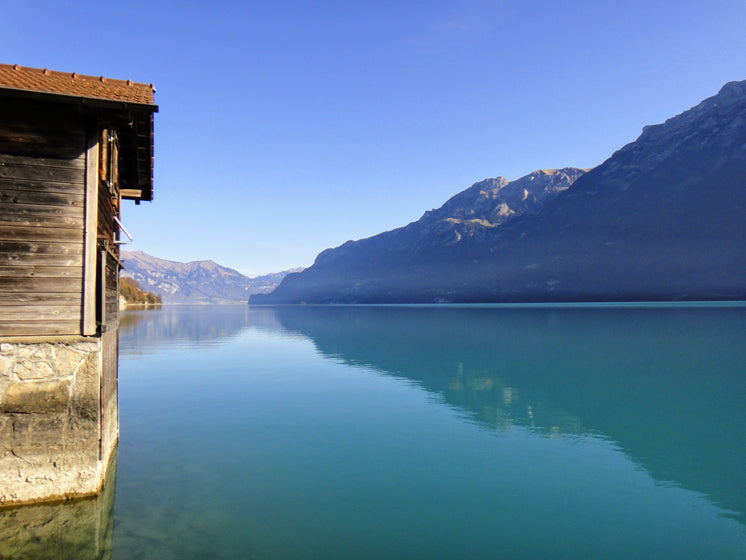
[72, 147]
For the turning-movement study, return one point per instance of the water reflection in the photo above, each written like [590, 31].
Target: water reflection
[667, 385]
[238, 443]
[142, 331]
[78, 530]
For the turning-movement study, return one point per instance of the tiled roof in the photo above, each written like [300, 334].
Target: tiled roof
[13, 76]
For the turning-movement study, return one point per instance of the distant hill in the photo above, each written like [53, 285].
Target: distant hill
[664, 218]
[195, 282]
[132, 294]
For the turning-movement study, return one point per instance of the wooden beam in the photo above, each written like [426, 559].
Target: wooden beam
[90, 233]
[131, 193]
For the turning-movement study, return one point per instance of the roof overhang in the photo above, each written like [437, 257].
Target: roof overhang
[128, 108]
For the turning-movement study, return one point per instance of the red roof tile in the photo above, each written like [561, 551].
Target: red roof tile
[77, 85]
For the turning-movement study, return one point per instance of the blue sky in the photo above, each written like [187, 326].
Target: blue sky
[288, 127]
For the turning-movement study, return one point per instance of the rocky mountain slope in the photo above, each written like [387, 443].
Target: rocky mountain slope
[663, 218]
[195, 282]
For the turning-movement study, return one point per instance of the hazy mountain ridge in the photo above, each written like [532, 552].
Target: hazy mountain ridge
[663, 218]
[196, 281]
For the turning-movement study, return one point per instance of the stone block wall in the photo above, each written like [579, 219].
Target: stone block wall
[80, 530]
[51, 419]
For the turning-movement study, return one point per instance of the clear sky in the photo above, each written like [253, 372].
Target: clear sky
[287, 127]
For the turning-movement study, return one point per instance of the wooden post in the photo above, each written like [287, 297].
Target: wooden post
[90, 233]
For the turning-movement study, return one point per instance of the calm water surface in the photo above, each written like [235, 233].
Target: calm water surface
[432, 432]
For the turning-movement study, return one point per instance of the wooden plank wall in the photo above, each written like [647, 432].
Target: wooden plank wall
[42, 178]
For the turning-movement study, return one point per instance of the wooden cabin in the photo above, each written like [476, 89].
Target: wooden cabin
[72, 147]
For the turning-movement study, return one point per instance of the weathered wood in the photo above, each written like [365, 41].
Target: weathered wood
[109, 390]
[40, 328]
[9, 299]
[34, 271]
[112, 274]
[53, 147]
[109, 288]
[21, 260]
[108, 208]
[42, 211]
[17, 132]
[131, 193]
[40, 313]
[38, 194]
[14, 215]
[54, 130]
[54, 212]
[40, 248]
[40, 173]
[112, 311]
[18, 140]
[77, 162]
[49, 187]
[30, 233]
[38, 121]
[16, 253]
[68, 285]
[90, 245]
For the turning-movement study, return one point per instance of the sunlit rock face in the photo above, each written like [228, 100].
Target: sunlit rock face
[663, 218]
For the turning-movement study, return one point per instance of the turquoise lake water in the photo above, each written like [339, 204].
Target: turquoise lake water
[532, 432]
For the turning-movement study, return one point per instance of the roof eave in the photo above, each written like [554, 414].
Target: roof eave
[78, 99]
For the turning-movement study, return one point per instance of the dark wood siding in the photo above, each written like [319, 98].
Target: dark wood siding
[109, 266]
[108, 191]
[42, 186]
[109, 391]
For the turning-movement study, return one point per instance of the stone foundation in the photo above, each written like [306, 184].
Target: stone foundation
[78, 530]
[58, 417]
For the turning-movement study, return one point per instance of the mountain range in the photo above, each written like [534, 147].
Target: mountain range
[195, 282]
[663, 218]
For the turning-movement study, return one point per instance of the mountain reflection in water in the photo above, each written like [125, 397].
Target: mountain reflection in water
[207, 325]
[667, 385]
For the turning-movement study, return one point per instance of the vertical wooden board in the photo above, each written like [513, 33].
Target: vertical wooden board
[109, 392]
[90, 235]
[109, 291]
